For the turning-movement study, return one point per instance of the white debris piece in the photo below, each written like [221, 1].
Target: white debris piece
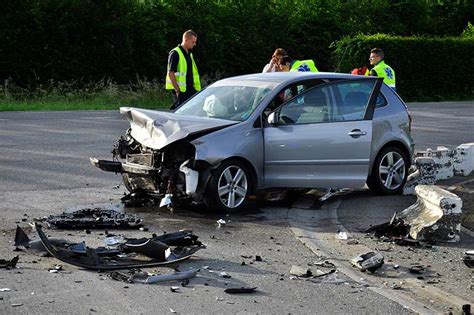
[221, 222]
[166, 200]
[436, 215]
[342, 235]
[464, 159]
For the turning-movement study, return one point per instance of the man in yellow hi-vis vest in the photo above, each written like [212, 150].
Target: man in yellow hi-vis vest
[182, 77]
[381, 69]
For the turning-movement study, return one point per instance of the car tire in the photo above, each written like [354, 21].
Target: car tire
[229, 187]
[389, 172]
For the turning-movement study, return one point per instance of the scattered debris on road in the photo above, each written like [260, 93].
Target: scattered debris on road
[341, 235]
[300, 272]
[7, 264]
[468, 258]
[418, 269]
[240, 290]
[136, 276]
[221, 222]
[333, 193]
[55, 269]
[95, 218]
[370, 261]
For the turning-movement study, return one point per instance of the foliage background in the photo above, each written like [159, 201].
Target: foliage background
[75, 43]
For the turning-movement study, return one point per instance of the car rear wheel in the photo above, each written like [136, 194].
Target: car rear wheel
[390, 172]
[229, 187]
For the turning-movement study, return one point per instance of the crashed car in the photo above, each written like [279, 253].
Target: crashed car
[264, 131]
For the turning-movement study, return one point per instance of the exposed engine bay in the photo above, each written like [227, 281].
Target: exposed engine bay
[154, 173]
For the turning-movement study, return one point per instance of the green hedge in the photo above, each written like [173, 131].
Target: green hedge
[80, 42]
[427, 68]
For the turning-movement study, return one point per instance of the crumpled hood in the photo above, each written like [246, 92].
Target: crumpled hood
[156, 129]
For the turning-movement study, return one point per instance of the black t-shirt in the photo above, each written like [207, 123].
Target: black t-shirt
[173, 60]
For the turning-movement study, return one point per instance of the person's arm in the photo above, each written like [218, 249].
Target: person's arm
[266, 68]
[173, 81]
[173, 60]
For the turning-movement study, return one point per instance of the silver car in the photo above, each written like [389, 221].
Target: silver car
[264, 131]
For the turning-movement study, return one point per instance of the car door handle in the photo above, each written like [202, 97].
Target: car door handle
[356, 133]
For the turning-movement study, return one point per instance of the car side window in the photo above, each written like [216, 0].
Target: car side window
[339, 101]
[310, 107]
[288, 93]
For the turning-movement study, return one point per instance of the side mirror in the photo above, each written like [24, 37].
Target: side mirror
[272, 118]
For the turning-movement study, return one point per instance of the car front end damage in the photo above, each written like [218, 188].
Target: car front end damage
[165, 167]
[156, 173]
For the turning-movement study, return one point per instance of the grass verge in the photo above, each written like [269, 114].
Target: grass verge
[95, 97]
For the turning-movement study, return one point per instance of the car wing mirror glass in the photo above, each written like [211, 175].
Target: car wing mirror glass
[272, 118]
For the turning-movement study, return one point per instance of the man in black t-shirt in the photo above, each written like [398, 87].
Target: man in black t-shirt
[182, 75]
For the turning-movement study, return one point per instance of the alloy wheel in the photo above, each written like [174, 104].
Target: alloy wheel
[392, 170]
[232, 186]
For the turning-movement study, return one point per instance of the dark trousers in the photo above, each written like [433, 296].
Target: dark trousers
[181, 97]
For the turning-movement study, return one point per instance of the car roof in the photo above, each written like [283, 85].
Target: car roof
[281, 77]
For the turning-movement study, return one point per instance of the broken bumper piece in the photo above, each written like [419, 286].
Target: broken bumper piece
[95, 261]
[108, 166]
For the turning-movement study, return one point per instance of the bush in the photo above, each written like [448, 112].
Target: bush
[427, 68]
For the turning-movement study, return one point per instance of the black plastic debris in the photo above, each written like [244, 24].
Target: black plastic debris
[258, 258]
[468, 258]
[91, 259]
[417, 269]
[240, 290]
[370, 261]
[9, 263]
[140, 199]
[466, 309]
[94, 218]
[21, 239]
[394, 228]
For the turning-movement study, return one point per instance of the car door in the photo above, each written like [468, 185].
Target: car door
[322, 137]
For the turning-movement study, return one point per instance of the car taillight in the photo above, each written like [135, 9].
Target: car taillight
[410, 120]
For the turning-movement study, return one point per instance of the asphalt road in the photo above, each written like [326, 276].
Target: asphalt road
[45, 169]
[442, 124]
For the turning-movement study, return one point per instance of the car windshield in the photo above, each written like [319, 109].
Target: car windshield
[231, 100]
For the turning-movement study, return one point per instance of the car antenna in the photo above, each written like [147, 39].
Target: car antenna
[342, 58]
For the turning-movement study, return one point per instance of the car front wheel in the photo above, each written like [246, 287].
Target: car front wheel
[229, 187]
[390, 172]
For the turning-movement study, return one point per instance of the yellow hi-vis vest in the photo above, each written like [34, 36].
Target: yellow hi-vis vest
[181, 74]
[386, 72]
[304, 66]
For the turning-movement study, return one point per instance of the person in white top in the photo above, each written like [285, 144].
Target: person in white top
[272, 66]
